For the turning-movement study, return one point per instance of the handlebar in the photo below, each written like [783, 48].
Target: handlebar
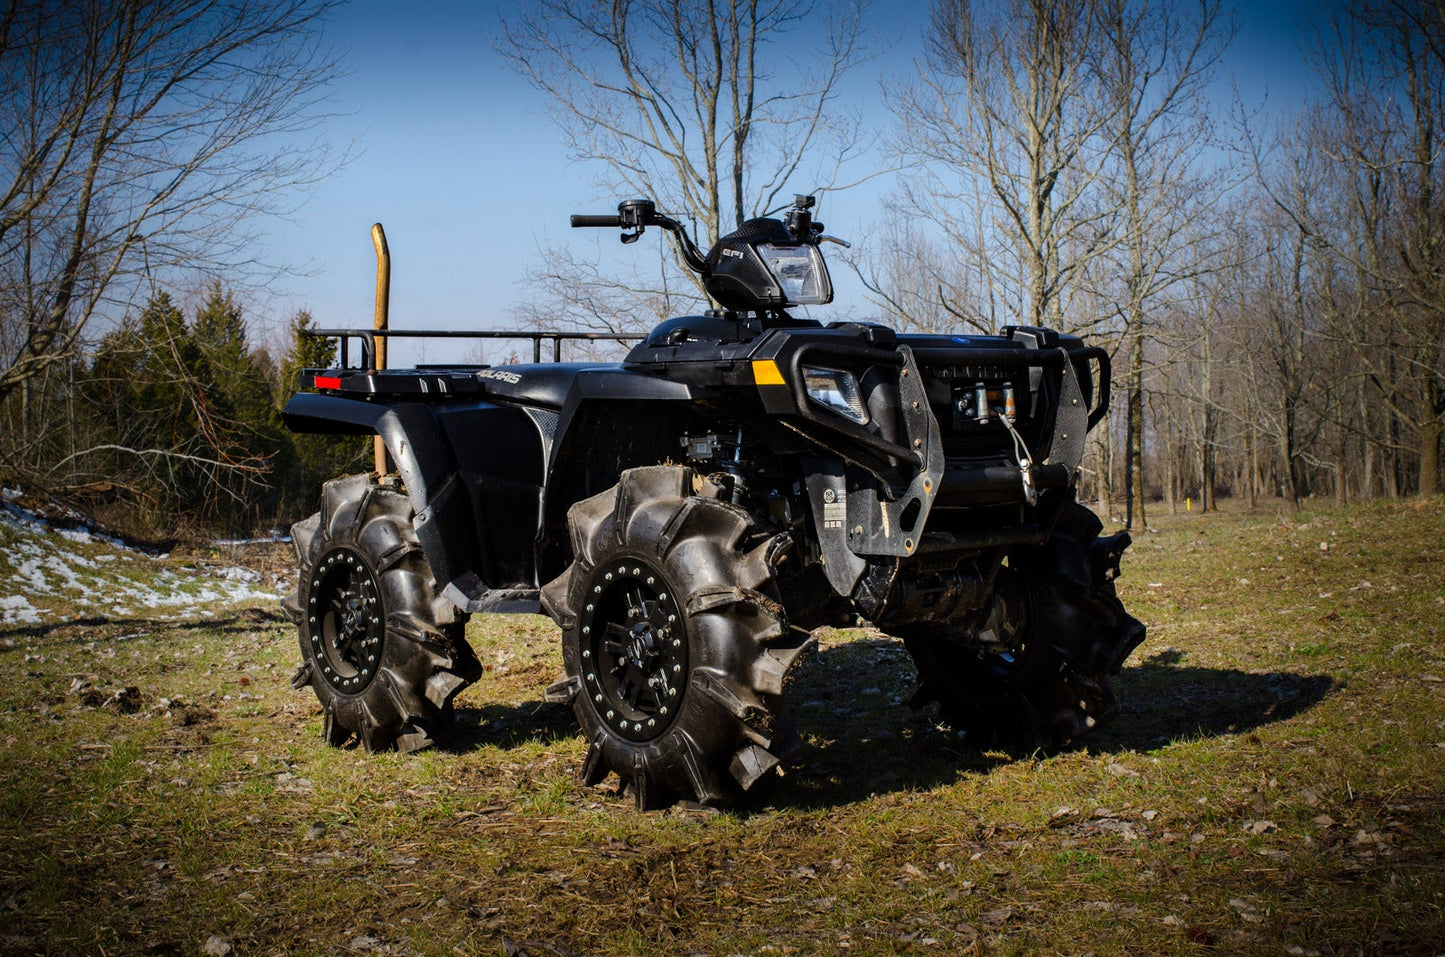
[636, 215]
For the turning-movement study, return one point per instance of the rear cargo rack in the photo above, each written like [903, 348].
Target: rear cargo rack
[368, 338]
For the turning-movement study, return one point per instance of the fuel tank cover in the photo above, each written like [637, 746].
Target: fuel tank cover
[714, 329]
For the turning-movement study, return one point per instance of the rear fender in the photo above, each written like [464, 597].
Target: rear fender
[444, 513]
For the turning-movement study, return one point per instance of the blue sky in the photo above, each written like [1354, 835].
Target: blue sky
[457, 158]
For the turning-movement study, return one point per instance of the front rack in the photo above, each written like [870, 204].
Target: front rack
[368, 339]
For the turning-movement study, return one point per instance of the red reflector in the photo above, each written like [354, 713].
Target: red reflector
[328, 382]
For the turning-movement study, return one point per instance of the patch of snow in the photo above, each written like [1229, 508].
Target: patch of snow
[11, 494]
[16, 610]
[31, 574]
[21, 519]
[46, 561]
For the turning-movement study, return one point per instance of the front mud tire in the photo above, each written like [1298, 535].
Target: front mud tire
[1068, 632]
[675, 647]
[382, 650]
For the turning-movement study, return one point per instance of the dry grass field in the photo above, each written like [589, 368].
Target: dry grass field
[1273, 786]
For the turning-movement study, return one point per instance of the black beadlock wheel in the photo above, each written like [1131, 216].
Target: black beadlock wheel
[383, 652]
[344, 620]
[675, 648]
[634, 652]
[1059, 632]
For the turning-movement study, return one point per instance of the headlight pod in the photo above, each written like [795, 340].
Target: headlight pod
[836, 389]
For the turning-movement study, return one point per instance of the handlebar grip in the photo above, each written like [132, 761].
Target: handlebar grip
[584, 219]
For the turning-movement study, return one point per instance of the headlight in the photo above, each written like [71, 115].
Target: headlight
[799, 272]
[836, 389]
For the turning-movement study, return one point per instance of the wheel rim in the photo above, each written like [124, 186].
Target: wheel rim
[633, 649]
[345, 620]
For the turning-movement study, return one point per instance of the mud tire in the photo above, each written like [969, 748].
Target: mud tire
[1070, 633]
[383, 652]
[675, 649]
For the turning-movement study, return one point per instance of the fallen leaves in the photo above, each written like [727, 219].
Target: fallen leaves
[125, 700]
[1246, 911]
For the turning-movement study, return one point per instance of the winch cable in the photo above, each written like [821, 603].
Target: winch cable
[1025, 462]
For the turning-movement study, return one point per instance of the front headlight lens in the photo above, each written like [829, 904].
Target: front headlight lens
[837, 390]
[799, 272]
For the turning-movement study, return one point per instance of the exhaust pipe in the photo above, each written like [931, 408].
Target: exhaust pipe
[381, 317]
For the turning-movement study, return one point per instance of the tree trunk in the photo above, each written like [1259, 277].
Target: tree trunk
[25, 414]
[1289, 449]
[1106, 468]
[1341, 470]
[1430, 434]
[1251, 455]
[1207, 457]
[1134, 434]
[1367, 444]
[1172, 471]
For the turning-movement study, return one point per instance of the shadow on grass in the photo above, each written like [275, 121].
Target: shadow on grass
[850, 702]
[1162, 702]
[510, 726]
[863, 739]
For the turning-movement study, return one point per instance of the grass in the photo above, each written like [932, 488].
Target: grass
[1273, 785]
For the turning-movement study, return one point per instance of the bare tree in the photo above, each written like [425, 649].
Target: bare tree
[1159, 62]
[913, 279]
[712, 108]
[137, 136]
[1379, 209]
[1006, 119]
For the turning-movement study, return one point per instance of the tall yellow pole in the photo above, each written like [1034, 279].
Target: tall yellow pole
[383, 307]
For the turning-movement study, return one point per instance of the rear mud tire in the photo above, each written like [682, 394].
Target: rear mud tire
[382, 650]
[675, 648]
[1068, 631]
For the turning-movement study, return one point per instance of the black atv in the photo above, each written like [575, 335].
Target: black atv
[690, 515]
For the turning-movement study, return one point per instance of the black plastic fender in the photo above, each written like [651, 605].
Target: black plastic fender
[614, 419]
[497, 476]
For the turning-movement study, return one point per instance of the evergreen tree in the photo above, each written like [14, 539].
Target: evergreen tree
[244, 394]
[307, 352]
[166, 429]
[316, 457]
